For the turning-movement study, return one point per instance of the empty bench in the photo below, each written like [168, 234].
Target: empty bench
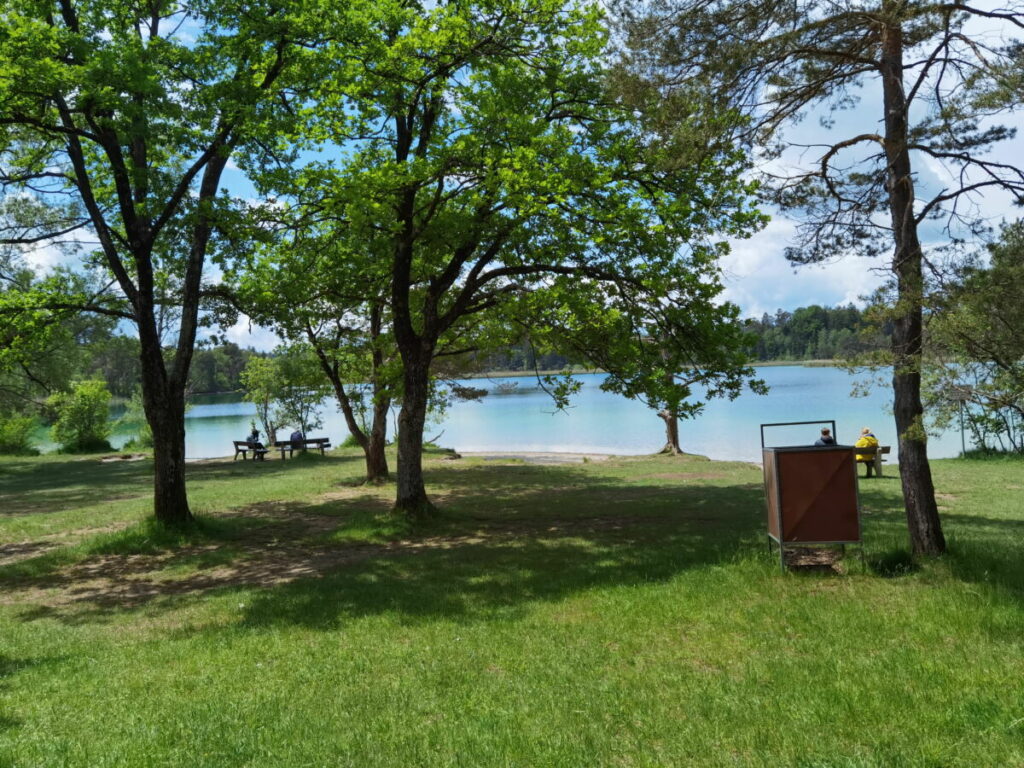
[321, 443]
[243, 447]
[872, 456]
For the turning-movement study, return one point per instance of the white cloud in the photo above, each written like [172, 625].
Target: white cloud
[759, 279]
[43, 258]
[246, 333]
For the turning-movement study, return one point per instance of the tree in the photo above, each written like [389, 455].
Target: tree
[935, 85]
[673, 354]
[117, 122]
[301, 387]
[308, 284]
[976, 345]
[46, 356]
[483, 155]
[261, 380]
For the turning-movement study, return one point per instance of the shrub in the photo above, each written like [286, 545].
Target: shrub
[82, 417]
[16, 435]
[350, 441]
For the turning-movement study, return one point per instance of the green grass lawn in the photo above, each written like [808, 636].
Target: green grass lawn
[617, 613]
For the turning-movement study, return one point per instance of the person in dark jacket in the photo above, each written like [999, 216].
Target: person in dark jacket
[826, 437]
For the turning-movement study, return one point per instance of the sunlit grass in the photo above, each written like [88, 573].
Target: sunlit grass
[613, 613]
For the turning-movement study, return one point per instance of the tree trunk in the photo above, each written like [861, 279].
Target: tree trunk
[915, 473]
[376, 459]
[671, 432]
[170, 501]
[412, 498]
[373, 444]
[165, 412]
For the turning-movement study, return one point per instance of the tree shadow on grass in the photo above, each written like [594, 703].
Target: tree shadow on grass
[980, 549]
[34, 487]
[30, 488]
[987, 551]
[480, 559]
[565, 541]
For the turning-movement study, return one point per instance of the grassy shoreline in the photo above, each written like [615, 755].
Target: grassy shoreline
[621, 612]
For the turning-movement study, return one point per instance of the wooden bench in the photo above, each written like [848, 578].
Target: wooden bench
[243, 447]
[872, 456]
[322, 443]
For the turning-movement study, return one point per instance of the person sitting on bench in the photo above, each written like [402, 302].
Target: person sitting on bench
[867, 440]
[826, 437]
[254, 438]
[297, 436]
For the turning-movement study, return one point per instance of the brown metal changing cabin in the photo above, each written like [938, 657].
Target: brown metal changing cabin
[810, 493]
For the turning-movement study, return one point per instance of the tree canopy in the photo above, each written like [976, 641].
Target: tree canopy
[480, 159]
[117, 122]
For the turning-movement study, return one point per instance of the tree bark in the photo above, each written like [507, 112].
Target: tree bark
[412, 498]
[671, 432]
[164, 403]
[373, 444]
[915, 473]
[170, 501]
[376, 460]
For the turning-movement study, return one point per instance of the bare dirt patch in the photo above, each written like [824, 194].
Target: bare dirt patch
[122, 457]
[23, 550]
[684, 476]
[813, 560]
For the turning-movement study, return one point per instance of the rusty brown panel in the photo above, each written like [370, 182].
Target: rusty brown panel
[819, 495]
[771, 488]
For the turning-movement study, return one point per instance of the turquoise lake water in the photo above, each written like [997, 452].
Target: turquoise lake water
[599, 422]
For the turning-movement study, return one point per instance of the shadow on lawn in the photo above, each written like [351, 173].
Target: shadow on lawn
[508, 536]
[980, 549]
[532, 543]
[33, 487]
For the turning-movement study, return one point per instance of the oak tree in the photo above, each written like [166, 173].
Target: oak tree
[476, 144]
[119, 119]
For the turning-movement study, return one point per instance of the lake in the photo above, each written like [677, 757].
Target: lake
[523, 419]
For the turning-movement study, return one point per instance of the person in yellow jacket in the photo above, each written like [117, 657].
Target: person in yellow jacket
[867, 440]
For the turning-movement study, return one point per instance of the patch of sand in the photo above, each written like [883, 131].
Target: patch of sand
[537, 457]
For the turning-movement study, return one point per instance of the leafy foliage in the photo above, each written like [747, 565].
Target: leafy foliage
[301, 388]
[815, 333]
[117, 121]
[287, 388]
[857, 190]
[261, 380]
[135, 415]
[977, 345]
[82, 417]
[16, 435]
[487, 179]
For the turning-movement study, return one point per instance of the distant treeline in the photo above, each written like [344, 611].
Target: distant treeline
[808, 333]
[814, 333]
[524, 357]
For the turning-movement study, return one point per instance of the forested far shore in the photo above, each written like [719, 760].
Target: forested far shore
[94, 350]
